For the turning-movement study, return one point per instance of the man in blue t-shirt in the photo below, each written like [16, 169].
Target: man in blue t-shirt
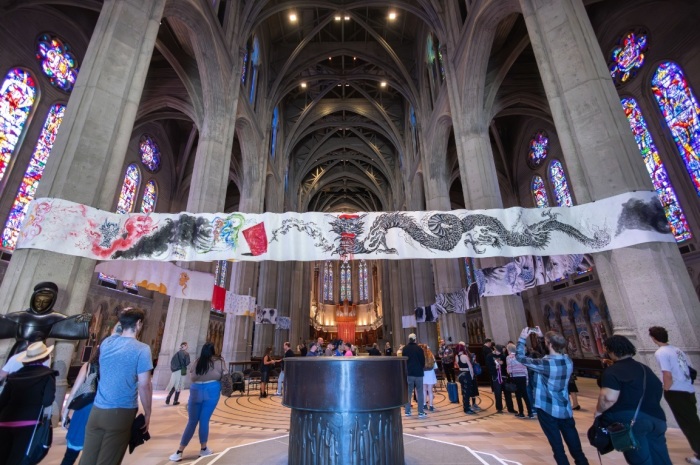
[125, 375]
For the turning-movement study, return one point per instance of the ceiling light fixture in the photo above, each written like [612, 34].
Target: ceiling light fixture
[292, 17]
[303, 85]
[347, 18]
[392, 15]
[338, 18]
[383, 84]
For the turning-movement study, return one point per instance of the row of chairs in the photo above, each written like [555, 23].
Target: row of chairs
[252, 378]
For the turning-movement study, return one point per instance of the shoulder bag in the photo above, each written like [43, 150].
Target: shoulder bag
[226, 382]
[85, 395]
[621, 434]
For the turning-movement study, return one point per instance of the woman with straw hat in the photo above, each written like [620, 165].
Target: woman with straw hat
[26, 393]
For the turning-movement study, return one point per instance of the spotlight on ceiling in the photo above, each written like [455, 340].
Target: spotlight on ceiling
[303, 85]
[338, 17]
[392, 15]
[382, 84]
[293, 17]
[346, 18]
[354, 58]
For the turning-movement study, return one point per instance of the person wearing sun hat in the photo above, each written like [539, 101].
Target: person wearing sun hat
[27, 391]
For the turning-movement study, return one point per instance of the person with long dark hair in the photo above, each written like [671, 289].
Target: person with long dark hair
[268, 364]
[75, 438]
[206, 373]
[28, 391]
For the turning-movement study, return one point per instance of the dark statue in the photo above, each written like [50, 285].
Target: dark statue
[39, 322]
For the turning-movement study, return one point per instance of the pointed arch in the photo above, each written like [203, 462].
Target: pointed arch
[150, 197]
[328, 281]
[127, 195]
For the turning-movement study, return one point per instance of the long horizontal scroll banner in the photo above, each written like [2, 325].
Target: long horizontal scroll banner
[73, 229]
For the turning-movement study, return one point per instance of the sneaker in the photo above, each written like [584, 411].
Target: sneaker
[176, 457]
[423, 415]
[408, 414]
[519, 415]
[204, 452]
[693, 460]
[531, 416]
[470, 412]
[476, 407]
[431, 408]
[176, 403]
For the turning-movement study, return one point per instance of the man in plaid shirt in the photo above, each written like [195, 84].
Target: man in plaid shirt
[551, 395]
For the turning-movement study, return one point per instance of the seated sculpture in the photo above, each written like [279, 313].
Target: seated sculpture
[39, 322]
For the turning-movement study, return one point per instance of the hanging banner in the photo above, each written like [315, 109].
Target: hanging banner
[529, 271]
[162, 277]
[241, 305]
[73, 229]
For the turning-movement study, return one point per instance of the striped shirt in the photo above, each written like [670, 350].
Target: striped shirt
[515, 368]
[550, 381]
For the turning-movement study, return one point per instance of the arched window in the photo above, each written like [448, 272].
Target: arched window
[628, 56]
[245, 64]
[559, 184]
[16, 100]
[328, 281]
[127, 196]
[150, 195]
[150, 153]
[680, 109]
[539, 192]
[254, 65]
[364, 284]
[539, 149]
[275, 127]
[656, 169]
[32, 176]
[345, 282]
[57, 62]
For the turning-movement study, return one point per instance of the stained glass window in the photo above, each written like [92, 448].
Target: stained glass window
[150, 153]
[680, 109]
[57, 62]
[127, 196]
[328, 281]
[429, 50]
[275, 127]
[656, 169]
[106, 278]
[245, 64]
[628, 56]
[254, 65]
[468, 267]
[559, 184]
[364, 285]
[539, 192]
[150, 195]
[32, 176]
[345, 282]
[441, 62]
[16, 100]
[539, 148]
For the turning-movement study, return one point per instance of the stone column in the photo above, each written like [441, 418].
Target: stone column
[267, 298]
[301, 283]
[283, 306]
[87, 157]
[641, 282]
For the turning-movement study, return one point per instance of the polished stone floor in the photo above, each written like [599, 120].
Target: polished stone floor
[242, 420]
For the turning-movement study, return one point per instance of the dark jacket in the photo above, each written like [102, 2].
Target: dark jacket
[26, 391]
[374, 351]
[180, 360]
[416, 359]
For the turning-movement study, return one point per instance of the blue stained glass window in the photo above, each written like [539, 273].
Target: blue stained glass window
[275, 127]
[628, 56]
[254, 65]
[127, 196]
[245, 64]
[57, 62]
[539, 148]
[17, 96]
[429, 50]
[657, 171]
[680, 109]
[364, 284]
[559, 184]
[345, 282]
[150, 153]
[328, 281]
[150, 195]
[539, 192]
[32, 176]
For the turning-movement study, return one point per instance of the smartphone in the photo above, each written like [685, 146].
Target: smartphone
[532, 331]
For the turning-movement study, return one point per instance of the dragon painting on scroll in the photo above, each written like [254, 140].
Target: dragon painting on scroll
[39, 322]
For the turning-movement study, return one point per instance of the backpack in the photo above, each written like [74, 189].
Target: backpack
[477, 368]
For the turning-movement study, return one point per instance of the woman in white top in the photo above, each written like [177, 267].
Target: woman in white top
[429, 378]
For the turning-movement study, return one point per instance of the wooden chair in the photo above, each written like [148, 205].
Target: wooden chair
[254, 380]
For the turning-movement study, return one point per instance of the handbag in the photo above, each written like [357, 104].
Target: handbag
[41, 439]
[621, 434]
[599, 438]
[226, 382]
[85, 395]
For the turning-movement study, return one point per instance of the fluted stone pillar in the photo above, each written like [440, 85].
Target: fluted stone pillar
[267, 298]
[87, 157]
[646, 284]
[298, 313]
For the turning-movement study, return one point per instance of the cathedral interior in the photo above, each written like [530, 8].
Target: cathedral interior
[338, 106]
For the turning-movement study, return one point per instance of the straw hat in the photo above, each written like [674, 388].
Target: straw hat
[36, 351]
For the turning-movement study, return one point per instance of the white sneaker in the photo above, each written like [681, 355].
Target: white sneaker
[693, 460]
[205, 452]
[176, 457]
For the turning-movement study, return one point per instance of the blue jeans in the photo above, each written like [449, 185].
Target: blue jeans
[650, 433]
[555, 429]
[415, 382]
[280, 383]
[200, 407]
